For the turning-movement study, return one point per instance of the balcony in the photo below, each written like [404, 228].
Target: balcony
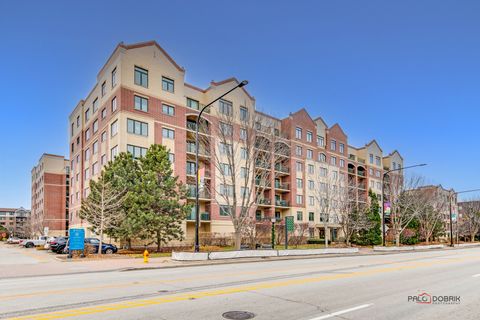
[281, 186]
[203, 194]
[264, 202]
[262, 164]
[352, 157]
[281, 203]
[361, 160]
[351, 171]
[361, 173]
[204, 216]
[202, 151]
[192, 126]
[282, 169]
[262, 183]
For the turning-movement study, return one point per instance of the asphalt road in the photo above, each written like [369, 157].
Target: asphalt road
[358, 287]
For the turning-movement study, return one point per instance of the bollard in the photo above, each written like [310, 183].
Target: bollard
[145, 256]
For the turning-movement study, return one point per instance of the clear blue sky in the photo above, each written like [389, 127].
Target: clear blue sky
[404, 72]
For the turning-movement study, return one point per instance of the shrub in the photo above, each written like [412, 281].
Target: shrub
[317, 241]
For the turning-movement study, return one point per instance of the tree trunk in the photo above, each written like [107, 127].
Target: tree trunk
[397, 239]
[472, 237]
[238, 240]
[427, 239]
[158, 242]
[326, 238]
[101, 240]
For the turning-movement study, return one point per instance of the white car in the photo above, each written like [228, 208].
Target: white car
[30, 243]
[13, 240]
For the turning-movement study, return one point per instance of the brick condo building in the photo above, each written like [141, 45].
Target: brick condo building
[16, 221]
[50, 193]
[141, 98]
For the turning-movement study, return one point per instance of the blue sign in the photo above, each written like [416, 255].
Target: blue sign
[76, 239]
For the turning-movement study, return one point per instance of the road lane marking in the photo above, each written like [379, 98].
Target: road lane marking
[202, 294]
[337, 313]
[476, 275]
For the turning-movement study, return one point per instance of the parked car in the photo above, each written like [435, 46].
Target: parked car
[93, 243]
[49, 242]
[13, 240]
[59, 244]
[30, 243]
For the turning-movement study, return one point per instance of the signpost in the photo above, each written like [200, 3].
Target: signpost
[76, 241]
[289, 227]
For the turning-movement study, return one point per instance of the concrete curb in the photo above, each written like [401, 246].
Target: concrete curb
[407, 248]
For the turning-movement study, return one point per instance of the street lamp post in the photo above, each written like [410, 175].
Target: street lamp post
[197, 125]
[450, 198]
[383, 195]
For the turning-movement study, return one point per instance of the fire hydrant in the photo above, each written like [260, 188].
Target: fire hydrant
[145, 256]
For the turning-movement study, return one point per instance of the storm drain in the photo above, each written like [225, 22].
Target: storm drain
[238, 315]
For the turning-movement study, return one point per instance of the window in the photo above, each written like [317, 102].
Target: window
[243, 133]
[193, 104]
[341, 148]
[104, 136]
[114, 128]
[191, 168]
[243, 153]
[104, 88]
[299, 183]
[311, 169]
[311, 201]
[377, 161]
[71, 130]
[299, 166]
[141, 103]
[104, 159]
[309, 136]
[309, 154]
[78, 158]
[95, 126]
[95, 147]
[342, 163]
[168, 133]
[94, 168]
[379, 185]
[311, 216]
[87, 134]
[87, 115]
[371, 158]
[299, 199]
[168, 84]
[298, 133]
[78, 121]
[225, 210]
[114, 104]
[226, 129]
[333, 145]
[87, 154]
[166, 109]
[225, 169]
[299, 150]
[299, 216]
[226, 190]
[141, 77]
[104, 113]
[243, 172]
[244, 192]
[370, 171]
[372, 184]
[322, 157]
[333, 161]
[225, 148]
[137, 127]
[243, 114]
[311, 185]
[87, 174]
[114, 77]
[320, 141]
[377, 173]
[335, 175]
[113, 152]
[136, 151]
[323, 172]
[225, 107]
[394, 165]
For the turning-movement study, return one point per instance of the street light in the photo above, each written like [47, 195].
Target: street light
[451, 213]
[383, 194]
[197, 205]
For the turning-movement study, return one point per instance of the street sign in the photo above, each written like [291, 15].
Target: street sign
[454, 216]
[45, 231]
[77, 239]
[290, 224]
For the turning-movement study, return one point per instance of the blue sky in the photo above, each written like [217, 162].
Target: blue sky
[404, 72]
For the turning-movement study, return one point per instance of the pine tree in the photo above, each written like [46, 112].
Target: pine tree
[372, 235]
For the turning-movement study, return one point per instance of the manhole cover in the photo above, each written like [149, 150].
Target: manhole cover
[238, 315]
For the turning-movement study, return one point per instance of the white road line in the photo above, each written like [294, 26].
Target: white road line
[476, 275]
[337, 313]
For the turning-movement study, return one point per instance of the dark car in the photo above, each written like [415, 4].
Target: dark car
[93, 243]
[58, 244]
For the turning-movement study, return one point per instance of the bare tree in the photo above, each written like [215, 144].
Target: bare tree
[244, 160]
[102, 207]
[435, 202]
[406, 204]
[470, 223]
[352, 214]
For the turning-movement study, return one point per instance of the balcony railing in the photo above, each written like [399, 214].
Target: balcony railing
[283, 186]
[204, 193]
[204, 216]
[361, 173]
[351, 170]
[351, 157]
[264, 201]
[361, 160]
[262, 183]
[192, 126]
[281, 203]
[262, 164]
[279, 167]
[202, 151]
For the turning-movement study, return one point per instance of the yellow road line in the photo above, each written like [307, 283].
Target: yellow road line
[226, 291]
